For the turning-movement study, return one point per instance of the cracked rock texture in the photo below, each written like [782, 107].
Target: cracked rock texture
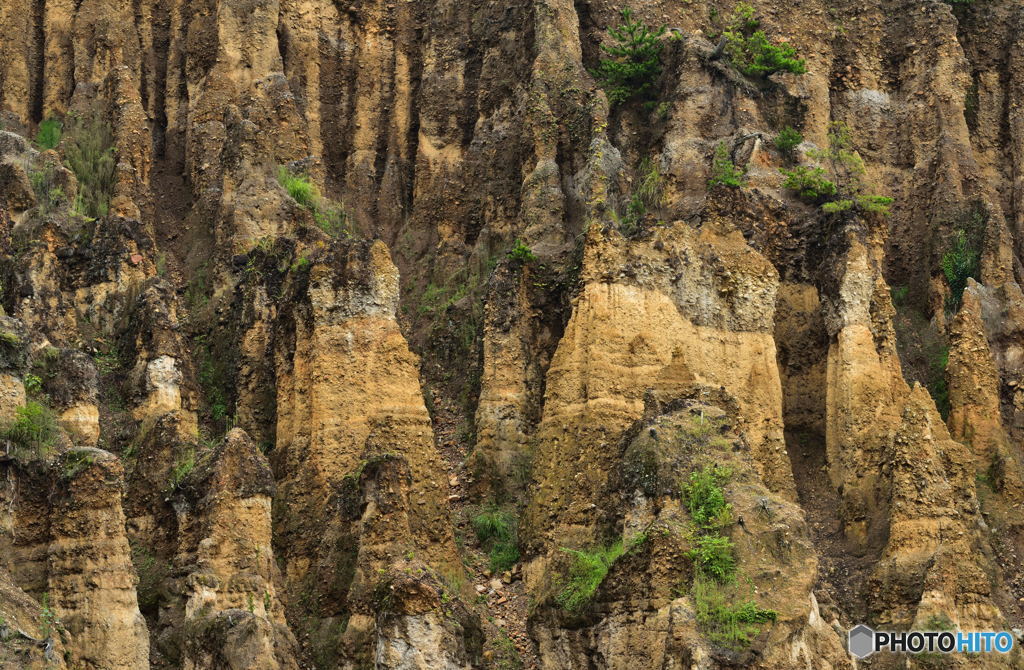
[262, 415]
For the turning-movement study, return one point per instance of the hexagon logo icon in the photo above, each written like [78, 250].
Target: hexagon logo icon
[861, 641]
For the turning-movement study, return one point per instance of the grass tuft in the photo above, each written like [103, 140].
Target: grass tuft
[496, 530]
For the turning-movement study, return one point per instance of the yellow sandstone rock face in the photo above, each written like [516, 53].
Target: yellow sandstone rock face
[361, 486]
[247, 424]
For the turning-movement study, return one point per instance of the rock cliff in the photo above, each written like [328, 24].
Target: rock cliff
[476, 335]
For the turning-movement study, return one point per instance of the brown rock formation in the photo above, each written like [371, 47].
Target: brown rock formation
[492, 299]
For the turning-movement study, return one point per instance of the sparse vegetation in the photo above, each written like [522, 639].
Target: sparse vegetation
[49, 194]
[648, 196]
[631, 72]
[586, 572]
[197, 293]
[505, 656]
[152, 574]
[723, 171]
[76, 462]
[847, 189]
[725, 617]
[521, 253]
[49, 134]
[809, 183]
[787, 141]
[750, 50]
[713, 557]
[213, 380]
[32, 432]
[329, 216]
[496, 529]
[89, 151]
[705, 498]
[48, 624]
[181, 469]
[922, 348]
[960, 263]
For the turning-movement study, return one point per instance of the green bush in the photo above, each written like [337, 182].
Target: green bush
[649, 194]
[809, 184]
[299, 188]
[586, 572]
[787, 140]
[181, 469]
[727, 620]
[33, 384]
[960, 263]
[752, 53]
[846, 191]
[329, 217]
[496, 530]
[713, 557]
[89, 152]
[723, 171]
[49, 195]
[49, 134]
[521, 253]
[635, 63]
[705, 498]
[33, 431]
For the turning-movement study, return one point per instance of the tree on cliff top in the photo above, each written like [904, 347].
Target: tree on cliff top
[635, 61]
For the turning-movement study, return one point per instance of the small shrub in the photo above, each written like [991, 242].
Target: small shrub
[649, 194]
[299, 188]
[752, 53]
[587, 571]
[521, 253]
[960, 263]
[713, 556]
[496, 530]
[726, 620]
[33, 431]
[705, 498]
[847, 191]
[635, 63]
[51, 198]
[76, 462]
[809, 184]
[787, 141]
[181, 469]
[49, 134]
[33, 384]
[723, 171]
[329, 217]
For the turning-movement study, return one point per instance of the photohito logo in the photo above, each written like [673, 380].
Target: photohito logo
[863, 641]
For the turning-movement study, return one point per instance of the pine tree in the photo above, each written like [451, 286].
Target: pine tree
[635, 61]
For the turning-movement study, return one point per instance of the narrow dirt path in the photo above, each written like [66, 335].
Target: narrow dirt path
[501, 599]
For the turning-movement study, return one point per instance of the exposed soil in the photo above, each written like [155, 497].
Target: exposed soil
[841, 573]
[501, 600]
